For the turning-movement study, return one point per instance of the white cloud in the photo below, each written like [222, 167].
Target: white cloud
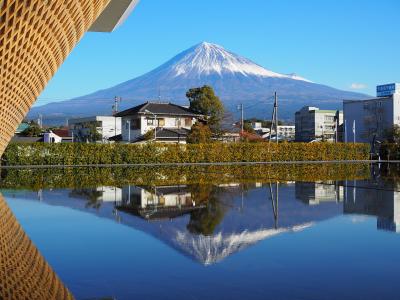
[358, 86]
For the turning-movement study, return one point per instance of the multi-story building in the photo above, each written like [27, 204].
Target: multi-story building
[313, 124]
[369, 120]
[106, 126]
[170, 122]
[36, 36]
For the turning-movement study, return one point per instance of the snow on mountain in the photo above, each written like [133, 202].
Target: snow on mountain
[207, 58]
[212, 249]
[235, 79]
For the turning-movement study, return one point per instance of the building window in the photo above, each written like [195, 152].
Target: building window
[161, 122]
[188, 122]
[135, 124]
[150, 122]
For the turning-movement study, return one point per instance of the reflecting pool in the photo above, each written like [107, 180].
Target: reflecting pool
[256, 232]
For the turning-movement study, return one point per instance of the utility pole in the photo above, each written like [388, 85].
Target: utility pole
[40, 121]
[240, 107]
[115, 111]
[274, 120]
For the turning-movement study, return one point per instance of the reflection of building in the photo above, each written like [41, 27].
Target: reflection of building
[207, 223]
[157, 202]
[35, 38]
[24, 273]
[99, 194]
[313, 193]
[381, 200]
[315, 124]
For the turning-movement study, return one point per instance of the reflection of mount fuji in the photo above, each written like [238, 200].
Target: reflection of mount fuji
[204, 223]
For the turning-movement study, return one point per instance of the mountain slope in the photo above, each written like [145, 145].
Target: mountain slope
[236, 80]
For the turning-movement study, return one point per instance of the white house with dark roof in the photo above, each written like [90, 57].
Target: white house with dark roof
[172, 122]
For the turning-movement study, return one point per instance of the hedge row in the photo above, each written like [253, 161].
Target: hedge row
[92, 154]
[35, 179]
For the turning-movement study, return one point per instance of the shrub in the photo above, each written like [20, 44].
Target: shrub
[94, 154]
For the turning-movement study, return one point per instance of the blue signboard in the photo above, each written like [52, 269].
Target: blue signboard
[387, 89]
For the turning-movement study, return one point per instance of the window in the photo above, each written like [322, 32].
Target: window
[161, 122]
[135, 124]
[177, 122]
[150, 122]
[188, 122]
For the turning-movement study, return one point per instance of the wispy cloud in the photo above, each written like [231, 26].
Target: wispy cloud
[358, 86]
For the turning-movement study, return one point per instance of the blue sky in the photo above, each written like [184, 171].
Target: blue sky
[351, 45]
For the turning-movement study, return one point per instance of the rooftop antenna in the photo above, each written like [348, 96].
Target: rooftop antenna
[159, 94]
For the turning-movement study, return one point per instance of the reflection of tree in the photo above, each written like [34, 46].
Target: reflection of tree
[204, 221]
[91, 195]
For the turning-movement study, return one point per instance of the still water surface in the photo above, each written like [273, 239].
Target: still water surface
[330, 239]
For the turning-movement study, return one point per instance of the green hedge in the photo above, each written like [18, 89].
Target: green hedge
[92, 154]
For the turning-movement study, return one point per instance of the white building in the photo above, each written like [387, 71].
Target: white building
[313, 123]
[172, 122]
[107, 126]
[368, 120]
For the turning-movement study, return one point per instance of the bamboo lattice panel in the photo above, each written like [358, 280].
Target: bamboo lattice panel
[35, 38]
[24, 273]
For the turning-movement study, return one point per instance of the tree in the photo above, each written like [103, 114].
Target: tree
[149, 135]
[393, 134]
[33, 130]
[199, 134]
[93, 134]
[204, 101]
[247, 127]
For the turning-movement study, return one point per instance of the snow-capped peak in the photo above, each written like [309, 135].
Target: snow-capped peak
[207, 58]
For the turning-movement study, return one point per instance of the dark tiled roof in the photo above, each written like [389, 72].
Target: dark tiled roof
[172, 133]
[158, 109]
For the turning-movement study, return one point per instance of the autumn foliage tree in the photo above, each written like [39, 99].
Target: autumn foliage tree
[199, 134]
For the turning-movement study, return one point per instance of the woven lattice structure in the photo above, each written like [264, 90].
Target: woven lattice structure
[35, 38]
[24, 273]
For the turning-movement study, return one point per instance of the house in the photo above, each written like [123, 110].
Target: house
[368, 120]
[57, 136]
[171, 122]
[95, 129]
[313, 124]
[21, 127]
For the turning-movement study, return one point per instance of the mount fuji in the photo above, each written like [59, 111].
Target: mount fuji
[235, 79]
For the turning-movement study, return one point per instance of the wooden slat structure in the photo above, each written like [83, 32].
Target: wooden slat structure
[36, 36]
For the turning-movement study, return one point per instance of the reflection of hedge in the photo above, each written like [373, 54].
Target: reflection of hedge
[390, 151]
[91, 154]
[91, 177]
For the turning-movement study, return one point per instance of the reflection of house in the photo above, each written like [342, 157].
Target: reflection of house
[99, 194]
[313, 193]
[157, 202]
[106, 127]
[381, 200]
[172, 122]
